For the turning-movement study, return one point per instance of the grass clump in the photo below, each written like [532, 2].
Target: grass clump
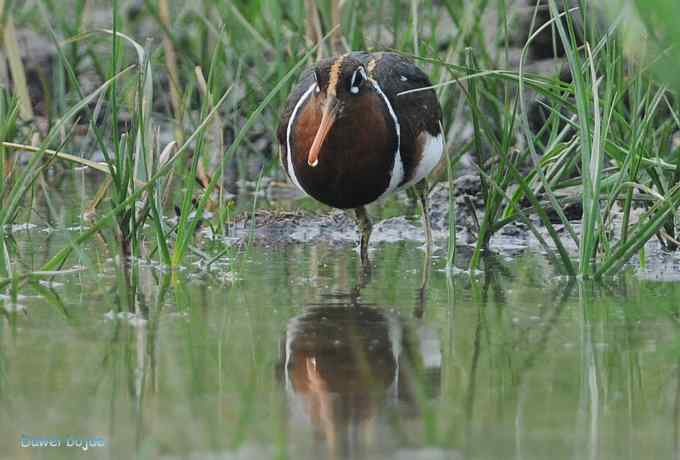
[605, 144]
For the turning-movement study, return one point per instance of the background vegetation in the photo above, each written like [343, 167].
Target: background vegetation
[170, 99]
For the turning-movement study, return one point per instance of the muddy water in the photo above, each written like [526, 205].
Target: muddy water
[288, 351]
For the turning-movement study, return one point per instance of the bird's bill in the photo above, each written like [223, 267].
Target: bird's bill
[328, 117]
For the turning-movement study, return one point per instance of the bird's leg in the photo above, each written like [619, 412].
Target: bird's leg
[365, 228]
[422, 190]
[422, 291]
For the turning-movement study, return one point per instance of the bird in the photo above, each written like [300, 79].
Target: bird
[360, 126]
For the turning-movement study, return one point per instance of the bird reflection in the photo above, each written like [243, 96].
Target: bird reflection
[347, 367]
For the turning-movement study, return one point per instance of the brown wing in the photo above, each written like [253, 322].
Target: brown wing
[417, 112]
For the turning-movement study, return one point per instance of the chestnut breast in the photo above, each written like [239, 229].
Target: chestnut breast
[356, 158]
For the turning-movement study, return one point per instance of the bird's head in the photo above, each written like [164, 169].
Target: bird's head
[340, 84]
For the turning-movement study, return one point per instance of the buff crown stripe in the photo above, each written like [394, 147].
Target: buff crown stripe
[335, 76]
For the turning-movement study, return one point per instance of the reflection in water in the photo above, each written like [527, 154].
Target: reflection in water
[174, 366]
[346, 367]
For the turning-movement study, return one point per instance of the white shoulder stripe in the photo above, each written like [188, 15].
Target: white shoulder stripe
[289, 129]
[398, 167]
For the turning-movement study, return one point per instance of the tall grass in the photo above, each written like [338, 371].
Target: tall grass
[606, 143]
[137, 165]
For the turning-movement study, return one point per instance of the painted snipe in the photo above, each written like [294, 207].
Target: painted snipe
[349, 134]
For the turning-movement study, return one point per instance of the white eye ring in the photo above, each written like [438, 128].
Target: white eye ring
[354, 88]
[317, 90]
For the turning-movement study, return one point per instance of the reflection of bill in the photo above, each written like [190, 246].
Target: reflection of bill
[346, 367]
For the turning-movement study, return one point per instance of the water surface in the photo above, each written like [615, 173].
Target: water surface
[289, 351]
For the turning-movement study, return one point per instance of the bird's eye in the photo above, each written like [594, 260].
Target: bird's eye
[358, 78]
[317, 88]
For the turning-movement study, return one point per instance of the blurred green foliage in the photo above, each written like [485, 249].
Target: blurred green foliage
[661, 23]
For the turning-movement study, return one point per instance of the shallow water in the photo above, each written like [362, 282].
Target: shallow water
[288, 351]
